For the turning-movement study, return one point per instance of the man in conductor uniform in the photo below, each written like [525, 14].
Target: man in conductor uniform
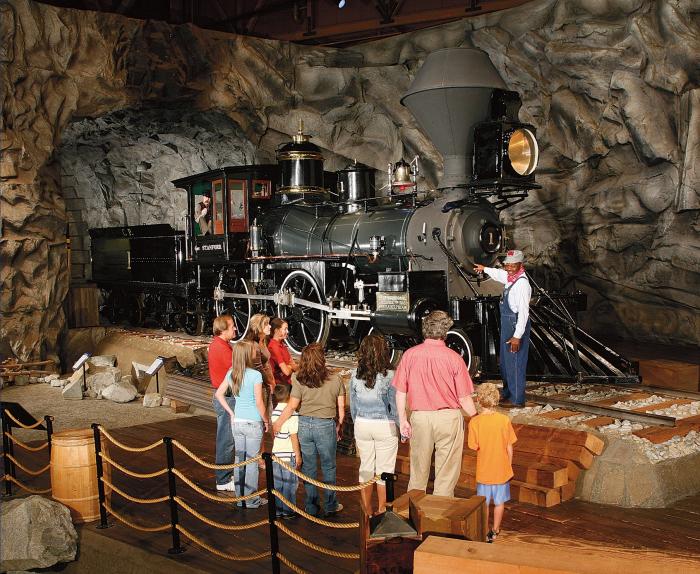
[515, 323]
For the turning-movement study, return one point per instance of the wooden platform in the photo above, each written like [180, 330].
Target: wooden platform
[674, 529]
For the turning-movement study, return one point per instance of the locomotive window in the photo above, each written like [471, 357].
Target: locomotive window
[202, 208]
[261, 189]
[218, 193]
[237, 205]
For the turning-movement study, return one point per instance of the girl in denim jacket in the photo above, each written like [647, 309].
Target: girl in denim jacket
[373, 410]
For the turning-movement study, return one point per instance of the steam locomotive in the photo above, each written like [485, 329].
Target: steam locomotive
[335, 258]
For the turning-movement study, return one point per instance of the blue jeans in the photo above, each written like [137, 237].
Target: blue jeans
[513, 365]
[286, 482]
[317, 438]
[224, 439]
[248, 436]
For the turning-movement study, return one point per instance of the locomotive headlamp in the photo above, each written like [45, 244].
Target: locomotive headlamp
[505, 150]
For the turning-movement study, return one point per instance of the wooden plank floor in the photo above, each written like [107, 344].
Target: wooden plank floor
[674, 529]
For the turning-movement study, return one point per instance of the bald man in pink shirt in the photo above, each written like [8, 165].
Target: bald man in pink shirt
[438, 387]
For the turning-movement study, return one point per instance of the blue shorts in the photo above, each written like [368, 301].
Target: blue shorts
[499, 493]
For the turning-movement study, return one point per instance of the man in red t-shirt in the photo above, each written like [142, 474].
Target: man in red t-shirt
[219, 356]
[437, 384]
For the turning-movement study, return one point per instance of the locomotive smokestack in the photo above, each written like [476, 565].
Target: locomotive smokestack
[448, 97]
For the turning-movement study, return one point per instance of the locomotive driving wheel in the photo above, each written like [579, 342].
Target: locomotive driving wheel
[239, 309]
[306, 324]
[459, 341]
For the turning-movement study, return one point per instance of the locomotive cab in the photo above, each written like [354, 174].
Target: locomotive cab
[221, 206]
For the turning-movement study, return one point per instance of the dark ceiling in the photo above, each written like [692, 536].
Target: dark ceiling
[315, 22]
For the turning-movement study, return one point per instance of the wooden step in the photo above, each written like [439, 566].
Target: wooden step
[568, 490]
[580, 455]
[560, 436]
[528, 458]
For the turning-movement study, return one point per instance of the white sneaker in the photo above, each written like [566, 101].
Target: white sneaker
[230, 486]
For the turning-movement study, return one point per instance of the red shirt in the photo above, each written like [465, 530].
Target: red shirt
[433, 376]
[279, 354]
[220, 359]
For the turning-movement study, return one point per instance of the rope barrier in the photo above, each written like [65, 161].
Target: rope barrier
[131, 472]
[335, 487]
[216, 524]
[213, 550]
[11, 478]
[214, 497]
[24, 445]
[322, 549]
[289, 564]
[130, 448]
[25, 469]
[20, 424]
[136, 526]
[211, 466]
[313, 518]
[132, 498]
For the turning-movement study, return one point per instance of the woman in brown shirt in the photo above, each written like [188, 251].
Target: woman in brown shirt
[258, 331]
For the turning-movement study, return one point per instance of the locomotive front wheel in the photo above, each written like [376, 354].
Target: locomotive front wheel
[137, 313]
[306, 324]
[459, 342]
[239, 309]
[192, 323]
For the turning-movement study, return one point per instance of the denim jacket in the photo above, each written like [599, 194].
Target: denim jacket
[376, 403]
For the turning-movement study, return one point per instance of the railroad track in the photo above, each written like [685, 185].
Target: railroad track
[663, 413]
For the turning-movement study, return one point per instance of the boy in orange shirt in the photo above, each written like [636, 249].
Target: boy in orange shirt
[492, 436]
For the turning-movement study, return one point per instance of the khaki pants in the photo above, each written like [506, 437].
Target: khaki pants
[442, 431]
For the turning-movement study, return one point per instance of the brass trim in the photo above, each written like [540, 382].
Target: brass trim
[302, 189]
[287, 155]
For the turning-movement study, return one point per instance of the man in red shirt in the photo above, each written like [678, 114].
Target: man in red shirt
[220, 354]
[437, 384]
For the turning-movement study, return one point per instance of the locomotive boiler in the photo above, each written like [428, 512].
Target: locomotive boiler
[337, 259]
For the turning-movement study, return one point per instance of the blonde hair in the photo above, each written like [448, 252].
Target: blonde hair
[436, 325]
[221, 324]
[242, 359]
[256, 326]
[487, 395]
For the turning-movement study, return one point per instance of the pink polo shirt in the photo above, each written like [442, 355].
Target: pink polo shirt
[433, 376]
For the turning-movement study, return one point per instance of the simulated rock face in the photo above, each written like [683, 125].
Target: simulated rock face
[100, 112]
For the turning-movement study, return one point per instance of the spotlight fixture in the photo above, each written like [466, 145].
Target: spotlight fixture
[505, 150]
[341, 4]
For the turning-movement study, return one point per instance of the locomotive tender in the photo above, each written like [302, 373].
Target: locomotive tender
[337, 261]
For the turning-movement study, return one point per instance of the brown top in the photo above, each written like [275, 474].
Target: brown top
[321, 402]
[261, 362]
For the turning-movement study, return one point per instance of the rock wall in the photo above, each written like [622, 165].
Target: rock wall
[612, 88]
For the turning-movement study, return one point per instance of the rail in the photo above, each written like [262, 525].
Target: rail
[11, 462]
[178, 504]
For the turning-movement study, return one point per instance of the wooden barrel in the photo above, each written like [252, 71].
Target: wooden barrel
[74, 473]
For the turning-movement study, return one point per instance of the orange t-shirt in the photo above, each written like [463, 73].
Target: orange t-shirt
[489, 435]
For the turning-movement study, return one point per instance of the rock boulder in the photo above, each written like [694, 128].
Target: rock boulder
[36, 533]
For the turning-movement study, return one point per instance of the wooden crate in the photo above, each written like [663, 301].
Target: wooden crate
[83, 307]
[670, 374]
[460, 517]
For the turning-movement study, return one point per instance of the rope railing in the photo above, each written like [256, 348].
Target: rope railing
[133, 498]
[13, 480]
[20, 424]
[129, 448]
[318, 483]
[216, 524]
[179, 504]
[25, 446]
[226, 555]
[128, 472]
[311, 517]
[27, 470]
[317, 547]
[211, 466]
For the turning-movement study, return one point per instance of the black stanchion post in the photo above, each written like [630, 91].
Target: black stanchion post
[177, 547]
[6, 449]
[272, 512]
[48, 420]
[100, 484]
[389, 478]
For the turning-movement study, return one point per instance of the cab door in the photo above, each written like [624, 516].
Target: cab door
[210, 221]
